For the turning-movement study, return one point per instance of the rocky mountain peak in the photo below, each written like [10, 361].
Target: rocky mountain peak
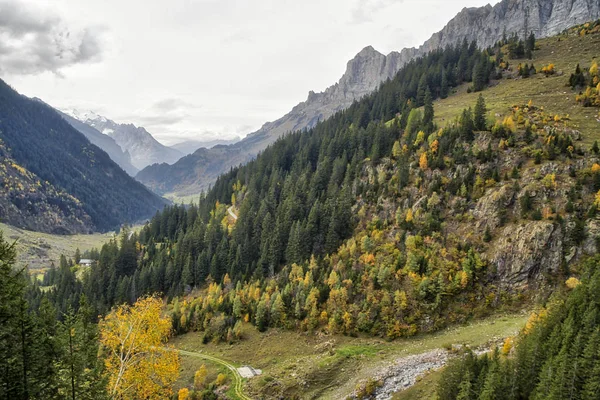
[143, 148]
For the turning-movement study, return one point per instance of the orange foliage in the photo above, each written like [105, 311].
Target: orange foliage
[423, 161]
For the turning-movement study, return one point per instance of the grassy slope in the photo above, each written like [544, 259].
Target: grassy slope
[327, 367]
[40, 250]
[550, 92]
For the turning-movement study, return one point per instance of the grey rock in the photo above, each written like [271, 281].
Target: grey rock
[523, 250]
[592, 233]
[486, 211]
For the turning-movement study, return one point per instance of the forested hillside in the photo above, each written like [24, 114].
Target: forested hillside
[62, 183]
[556, 356]
[376, 220]
[380, 222]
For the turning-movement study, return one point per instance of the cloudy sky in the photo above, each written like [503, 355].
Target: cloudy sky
[199, 69]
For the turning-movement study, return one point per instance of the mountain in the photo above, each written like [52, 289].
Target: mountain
[190, 146]
[364, 73]
[463, 188]
[105, 142]
[137, 141]
[55, 180]
[378, 222]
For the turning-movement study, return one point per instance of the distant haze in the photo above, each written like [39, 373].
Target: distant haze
[199, 70]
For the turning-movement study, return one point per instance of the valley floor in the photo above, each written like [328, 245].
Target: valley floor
[313, 366]
[39, 250]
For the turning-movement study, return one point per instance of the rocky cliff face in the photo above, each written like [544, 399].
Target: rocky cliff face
[487, 24]
[366, 71]
[141, 146]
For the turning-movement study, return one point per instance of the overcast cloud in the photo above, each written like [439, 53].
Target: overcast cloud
[34, 39]
[199, 69]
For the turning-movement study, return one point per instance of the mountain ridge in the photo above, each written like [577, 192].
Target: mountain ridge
[365, 72]
[142, 147]
[55, 180]
[189, 146]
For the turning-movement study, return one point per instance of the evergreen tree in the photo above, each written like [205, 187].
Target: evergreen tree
[422, 90]
[479, 117]
[481, 73]
[428, 113]
[444, 88]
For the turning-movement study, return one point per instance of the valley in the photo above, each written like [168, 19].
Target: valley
[426, 228]
[39, 251]
[307, 366]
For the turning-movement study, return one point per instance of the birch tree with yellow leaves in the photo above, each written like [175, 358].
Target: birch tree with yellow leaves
[138, 363]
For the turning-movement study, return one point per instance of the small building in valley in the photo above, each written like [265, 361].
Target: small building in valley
[86, 262]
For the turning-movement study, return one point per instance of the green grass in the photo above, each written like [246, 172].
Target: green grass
[39, 250]
[357, 351]
[550, 92]
[312, 366]
[183, 198]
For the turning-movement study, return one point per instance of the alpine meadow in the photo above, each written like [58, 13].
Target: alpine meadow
[428, 227]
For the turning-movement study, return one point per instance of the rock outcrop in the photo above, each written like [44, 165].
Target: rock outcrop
[365, 72]
[522, 249]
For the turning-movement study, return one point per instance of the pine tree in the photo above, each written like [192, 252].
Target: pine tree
[466, 125]
[487, 236]
[479, 117]
[428, 113]
[422, 90]
[480, 73]
[530, 46]
[444, 89]
[465, 389]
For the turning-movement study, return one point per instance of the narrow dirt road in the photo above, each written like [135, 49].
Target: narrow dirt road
[230, 211]
[238, 384]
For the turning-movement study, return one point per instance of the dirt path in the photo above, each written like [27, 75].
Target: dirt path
[238, 385]
[231, 213]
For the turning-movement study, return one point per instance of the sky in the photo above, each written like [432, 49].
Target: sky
[199, 69]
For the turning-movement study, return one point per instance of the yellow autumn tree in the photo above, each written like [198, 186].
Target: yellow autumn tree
[184, 394]
[138, 363]
[423, 161]
[435, 145]
[409, 216]
[200, 377]
[420, 138]
[221, 379]
[594, 69]
[572, 282]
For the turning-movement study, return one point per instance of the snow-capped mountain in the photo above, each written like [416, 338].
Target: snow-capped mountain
[137, 141]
